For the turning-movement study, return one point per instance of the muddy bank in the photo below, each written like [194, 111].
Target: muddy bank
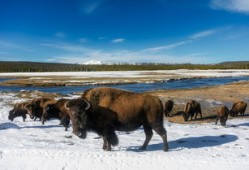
[110, 77]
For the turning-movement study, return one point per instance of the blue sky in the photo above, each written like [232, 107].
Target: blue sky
[155, 31]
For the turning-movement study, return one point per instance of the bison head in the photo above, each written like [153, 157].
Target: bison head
[233, 113]
[11, 115]
[50, 112]
[17, 112]
[185, 116]
[222, 121]
[34, 109]
[78, 114]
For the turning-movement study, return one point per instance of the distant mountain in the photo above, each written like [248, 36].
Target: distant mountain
[93, 62]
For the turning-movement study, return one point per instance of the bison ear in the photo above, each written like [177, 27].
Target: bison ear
[88, 105]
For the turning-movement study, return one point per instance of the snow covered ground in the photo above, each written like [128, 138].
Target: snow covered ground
[129, 74]
[30, 145]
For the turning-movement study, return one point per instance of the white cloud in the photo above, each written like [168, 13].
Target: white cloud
[166, 47]
[240, 6]
[81, 54]
[118, 40]
[202, 34]
[89, 6]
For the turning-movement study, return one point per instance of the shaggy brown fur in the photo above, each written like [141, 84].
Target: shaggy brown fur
[114, 109]
[19, 110]
[222, 115]
[168, 107]
[37, 107]
[237, 108]
[59, 111]
[192, 107]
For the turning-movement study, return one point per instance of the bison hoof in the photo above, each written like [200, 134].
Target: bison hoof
[142, 148]
[166, 149]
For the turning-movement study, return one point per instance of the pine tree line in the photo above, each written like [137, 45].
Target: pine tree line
[57, 67]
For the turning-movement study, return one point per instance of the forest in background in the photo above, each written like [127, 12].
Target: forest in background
[6, 66]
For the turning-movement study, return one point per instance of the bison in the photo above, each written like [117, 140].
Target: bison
[168, 107]
[238, 107]
[37, 107]
[192, 107]
[58, 111]
[222, 115]
[19, 110]
[105, 110]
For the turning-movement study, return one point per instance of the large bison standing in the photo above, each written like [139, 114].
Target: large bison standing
[105, 110]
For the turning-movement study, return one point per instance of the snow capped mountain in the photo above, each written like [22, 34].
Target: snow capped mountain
[93, 62]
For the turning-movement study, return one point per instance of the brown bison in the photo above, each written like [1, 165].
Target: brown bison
[237, 108]
[19, 110]
[105, 110]
[192, 107]
[168, 107]
[37, 107]
[222, 115]
[58, 111]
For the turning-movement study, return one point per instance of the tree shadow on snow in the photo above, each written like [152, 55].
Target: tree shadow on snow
[190, 143]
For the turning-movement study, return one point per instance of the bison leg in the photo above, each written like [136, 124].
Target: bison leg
[148, 135]
[110, 138]
[24, 117]
[106, 145]
[160, 130]
[217, 119]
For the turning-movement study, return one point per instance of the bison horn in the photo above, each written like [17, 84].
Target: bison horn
[66, 105]
[88, 105]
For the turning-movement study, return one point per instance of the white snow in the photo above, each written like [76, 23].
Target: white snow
[92, 62]
[181, 72]
[30, 145]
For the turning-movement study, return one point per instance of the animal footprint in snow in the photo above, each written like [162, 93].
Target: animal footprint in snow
[181, 141]
[222, 136]
[68, 136]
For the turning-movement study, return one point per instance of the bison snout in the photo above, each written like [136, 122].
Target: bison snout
[81, 134]
[11, 118]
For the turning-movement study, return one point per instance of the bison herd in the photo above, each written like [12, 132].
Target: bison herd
[106, 110]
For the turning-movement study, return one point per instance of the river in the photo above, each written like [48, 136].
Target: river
[139, 87]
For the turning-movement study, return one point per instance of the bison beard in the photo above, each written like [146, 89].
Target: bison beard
[105, 110]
